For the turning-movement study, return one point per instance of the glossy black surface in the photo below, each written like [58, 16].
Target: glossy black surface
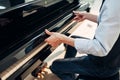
[22, 28]
[21, 23]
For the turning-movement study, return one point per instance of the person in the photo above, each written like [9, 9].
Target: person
[103, 52]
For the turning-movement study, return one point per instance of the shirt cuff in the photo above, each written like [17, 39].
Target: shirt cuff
[81, 45]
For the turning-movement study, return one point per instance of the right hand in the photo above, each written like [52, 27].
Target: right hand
[54, 38]
[79, 16]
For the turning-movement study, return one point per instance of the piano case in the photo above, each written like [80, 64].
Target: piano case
[22, 25]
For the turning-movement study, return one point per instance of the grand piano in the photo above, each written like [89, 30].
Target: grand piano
[22, 25]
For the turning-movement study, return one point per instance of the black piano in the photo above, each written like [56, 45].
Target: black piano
[22, 25]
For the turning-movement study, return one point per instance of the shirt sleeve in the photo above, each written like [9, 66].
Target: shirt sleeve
[106, 34]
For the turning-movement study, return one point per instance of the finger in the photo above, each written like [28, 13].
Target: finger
[46, 40]
[48, 32]
[76, 12]
[76, 18]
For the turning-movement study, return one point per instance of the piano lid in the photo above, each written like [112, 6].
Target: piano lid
[8, 5]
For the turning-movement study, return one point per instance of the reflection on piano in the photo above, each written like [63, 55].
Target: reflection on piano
[22, 46]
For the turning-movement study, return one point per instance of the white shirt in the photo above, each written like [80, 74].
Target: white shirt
[107, 32]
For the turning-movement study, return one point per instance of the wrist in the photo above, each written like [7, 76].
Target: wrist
[67, 40]
[62, 38]
[86, 15]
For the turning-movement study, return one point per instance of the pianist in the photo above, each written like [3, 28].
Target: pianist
[103, 55]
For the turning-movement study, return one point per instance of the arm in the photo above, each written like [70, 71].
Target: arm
[106, 34]
[56, 38]
[80, 16]
[91, 17]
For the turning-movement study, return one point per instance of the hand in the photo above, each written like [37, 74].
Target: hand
[55, 38]
[79, 16]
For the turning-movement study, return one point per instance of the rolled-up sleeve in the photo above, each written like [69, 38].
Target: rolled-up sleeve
[89, 47]
[81, 45]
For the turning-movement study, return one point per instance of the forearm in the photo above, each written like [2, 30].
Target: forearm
[91, 17]
[68, 41]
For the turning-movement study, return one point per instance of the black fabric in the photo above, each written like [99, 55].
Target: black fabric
[83, 77]
[112, 59]
[102, 4]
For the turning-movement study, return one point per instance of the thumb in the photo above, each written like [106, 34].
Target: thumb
[76, 12]
[48, 32]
